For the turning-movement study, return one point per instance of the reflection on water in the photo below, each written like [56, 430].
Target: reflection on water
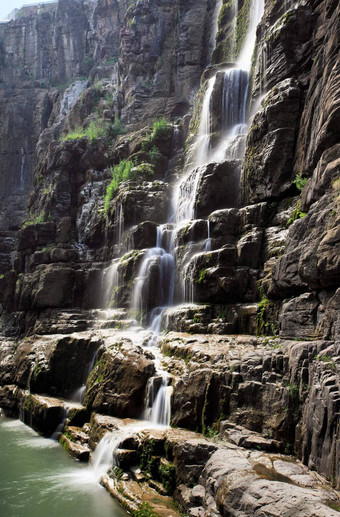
[37, 479]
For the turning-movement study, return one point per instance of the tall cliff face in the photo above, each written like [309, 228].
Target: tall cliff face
[252, 246]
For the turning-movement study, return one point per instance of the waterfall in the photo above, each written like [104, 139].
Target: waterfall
[22, 168]
[164, 260]
[159, 397]
[255, 15]
[104, 457]
[78, 395]
[204, 130]
[234, 115]
[158, 269]
[208, 241]
[58, 432]
[110, 283]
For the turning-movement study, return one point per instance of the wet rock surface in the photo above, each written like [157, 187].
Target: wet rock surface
[252, 348]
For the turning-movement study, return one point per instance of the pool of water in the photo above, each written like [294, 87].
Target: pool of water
[38, 479]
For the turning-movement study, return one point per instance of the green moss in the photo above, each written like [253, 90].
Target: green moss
[96, 129]
[202, 276]
[262, 325]
[242, 24]
[145, 510]
[42, 217]
[211, 432]
[36, 371]
[146, 457]
[167, 475]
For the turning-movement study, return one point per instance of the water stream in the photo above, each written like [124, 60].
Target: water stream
[37, 479]
[154, 286]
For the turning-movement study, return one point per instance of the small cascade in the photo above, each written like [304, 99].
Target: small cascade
[202, 153]
[255, 15]
[234, 113]
[119, 222]
[208, 241]
[159, 391]
[59, 431]
[110, 283]
[78, 395]
[176, 145]
[22, 167]
[159, 394]
[104, 456]
[164, 263]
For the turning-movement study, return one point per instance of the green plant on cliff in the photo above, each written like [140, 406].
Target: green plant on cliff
[263, 307]
[117, 128]
[42, 217]
[124, 171]
[167, 474]
[119, 173]
[202, 276]
[93, 131]
[160, 129]
[297, 214]
[300, 182]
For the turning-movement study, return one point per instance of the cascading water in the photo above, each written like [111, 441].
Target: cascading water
[164, 260]
[158, 410]
[110, 283]
[161, 258]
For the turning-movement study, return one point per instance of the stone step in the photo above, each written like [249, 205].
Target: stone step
[211, 319]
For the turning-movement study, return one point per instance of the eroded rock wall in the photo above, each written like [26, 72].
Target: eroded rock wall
[273, 263]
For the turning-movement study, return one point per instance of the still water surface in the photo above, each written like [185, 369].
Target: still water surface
[38, 479]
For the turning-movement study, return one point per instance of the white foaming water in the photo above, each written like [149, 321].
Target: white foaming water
[208, 241]
[110, 282]
[104, 456]
[78, 395]
[159, 391]
[256, 13]
[204, 130]
[235, 91]
[166, 275]
[22, 167]
[159, 396]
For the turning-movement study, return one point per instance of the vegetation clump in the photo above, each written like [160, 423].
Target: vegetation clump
[124, 171]
[300, 182]
[145, 510]
[93, 131]
[42, 217]
[297, 214]
[97, 129]
[160, 129]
